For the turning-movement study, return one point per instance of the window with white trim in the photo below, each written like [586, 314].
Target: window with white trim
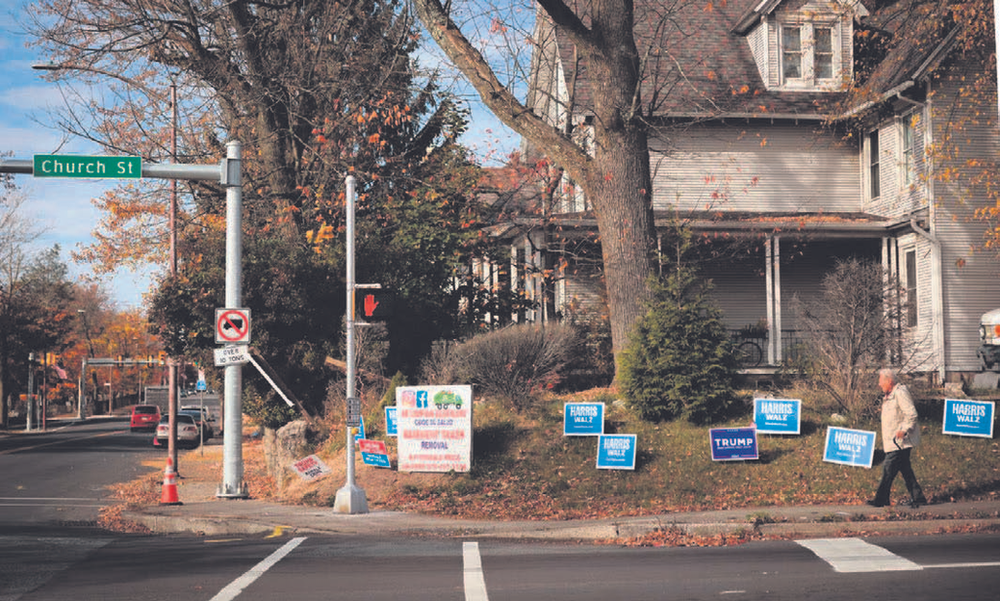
[810, 58]
[907, 140]
[873, 162]
[910, 283]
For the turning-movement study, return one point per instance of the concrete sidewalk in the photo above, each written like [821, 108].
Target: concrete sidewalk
[214, 517]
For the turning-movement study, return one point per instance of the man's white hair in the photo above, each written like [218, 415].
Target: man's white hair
[889, 373]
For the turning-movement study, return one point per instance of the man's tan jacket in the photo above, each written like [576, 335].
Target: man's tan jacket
[899, 415]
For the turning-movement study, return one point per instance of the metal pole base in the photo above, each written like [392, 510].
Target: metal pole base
[224, 492]
[350, 499]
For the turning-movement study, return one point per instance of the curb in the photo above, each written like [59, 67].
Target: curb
[158, 520]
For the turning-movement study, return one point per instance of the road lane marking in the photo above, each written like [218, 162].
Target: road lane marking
[49, 499]
[55, 442]
[855, 555]
[980, 564]
[472, 571]
[234, 588]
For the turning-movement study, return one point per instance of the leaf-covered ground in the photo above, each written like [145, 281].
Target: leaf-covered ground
[525, 469]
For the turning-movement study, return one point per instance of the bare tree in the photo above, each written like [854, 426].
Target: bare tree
[854, 327]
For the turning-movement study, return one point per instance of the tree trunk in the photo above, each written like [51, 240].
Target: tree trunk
[619, 181]
[615, 173]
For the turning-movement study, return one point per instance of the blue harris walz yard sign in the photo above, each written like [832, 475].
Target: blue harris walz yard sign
[583, 419]
[733, 444]
[777, 416]
[391, 421]
[616, 452]
[849, 447]
[964, 417]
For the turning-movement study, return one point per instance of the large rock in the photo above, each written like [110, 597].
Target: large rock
[283, 447]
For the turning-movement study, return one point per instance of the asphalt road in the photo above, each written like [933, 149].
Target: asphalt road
[62, 475]
[82, 566]
[53, 484]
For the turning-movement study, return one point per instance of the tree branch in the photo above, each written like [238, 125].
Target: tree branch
[494, 95]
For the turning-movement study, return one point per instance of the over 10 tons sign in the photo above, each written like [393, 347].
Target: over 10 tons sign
[434, 428]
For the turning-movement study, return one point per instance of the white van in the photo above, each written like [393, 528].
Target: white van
[989, 334]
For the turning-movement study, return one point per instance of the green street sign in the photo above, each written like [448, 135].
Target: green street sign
[96, 167]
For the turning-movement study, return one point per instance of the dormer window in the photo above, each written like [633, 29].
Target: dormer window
[802, 45]
[809, 57]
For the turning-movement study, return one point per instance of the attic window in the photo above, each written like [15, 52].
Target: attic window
[809, 56]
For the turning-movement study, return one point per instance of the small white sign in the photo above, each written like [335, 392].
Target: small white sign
[231, 355]
[311, 468]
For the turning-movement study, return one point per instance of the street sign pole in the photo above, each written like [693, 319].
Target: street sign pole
[233, 486]
[350, 498]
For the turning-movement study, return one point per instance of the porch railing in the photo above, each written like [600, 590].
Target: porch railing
[751, 351]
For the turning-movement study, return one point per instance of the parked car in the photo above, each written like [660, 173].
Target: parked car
[201, 417]
[144, 417]
[989, 335]
[187, 431]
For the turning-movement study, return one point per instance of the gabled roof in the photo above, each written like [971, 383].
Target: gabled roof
[900, 44]
[698, 67]
[757, 12]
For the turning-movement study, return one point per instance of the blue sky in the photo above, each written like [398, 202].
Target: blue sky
[64, 208]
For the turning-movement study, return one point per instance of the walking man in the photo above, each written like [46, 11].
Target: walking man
[900, 433]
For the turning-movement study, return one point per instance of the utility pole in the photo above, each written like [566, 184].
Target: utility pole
[172, 400]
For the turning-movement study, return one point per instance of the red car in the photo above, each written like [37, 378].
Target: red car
[144, 417]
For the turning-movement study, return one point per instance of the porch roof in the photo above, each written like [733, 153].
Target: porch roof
[820, 224]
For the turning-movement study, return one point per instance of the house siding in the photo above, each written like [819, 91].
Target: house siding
[757, 38]
[971, 285]
[748, 167]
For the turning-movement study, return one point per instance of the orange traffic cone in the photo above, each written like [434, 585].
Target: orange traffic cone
[169, 494]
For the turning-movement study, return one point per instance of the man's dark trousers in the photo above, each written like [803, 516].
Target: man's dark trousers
[898, 462]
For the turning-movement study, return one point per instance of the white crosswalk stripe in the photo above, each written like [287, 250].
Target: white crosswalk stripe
[472, 571]
[856, 555]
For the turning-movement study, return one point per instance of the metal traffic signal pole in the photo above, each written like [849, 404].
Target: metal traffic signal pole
[350, 498]
[226, 173]
[233, 486]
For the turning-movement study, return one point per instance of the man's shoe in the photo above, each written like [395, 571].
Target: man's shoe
[875, 503]
[911, 504]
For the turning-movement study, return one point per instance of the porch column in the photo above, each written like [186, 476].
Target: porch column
[515, 278]
[772, 281]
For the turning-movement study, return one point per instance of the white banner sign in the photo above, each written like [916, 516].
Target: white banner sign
[434, 428]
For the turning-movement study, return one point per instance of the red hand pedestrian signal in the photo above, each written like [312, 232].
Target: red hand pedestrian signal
[371, 304]
[375, 303]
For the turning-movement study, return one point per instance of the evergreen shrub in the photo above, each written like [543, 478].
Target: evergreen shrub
[679, 360]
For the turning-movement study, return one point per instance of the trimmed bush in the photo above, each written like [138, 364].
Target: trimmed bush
[511, 363]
